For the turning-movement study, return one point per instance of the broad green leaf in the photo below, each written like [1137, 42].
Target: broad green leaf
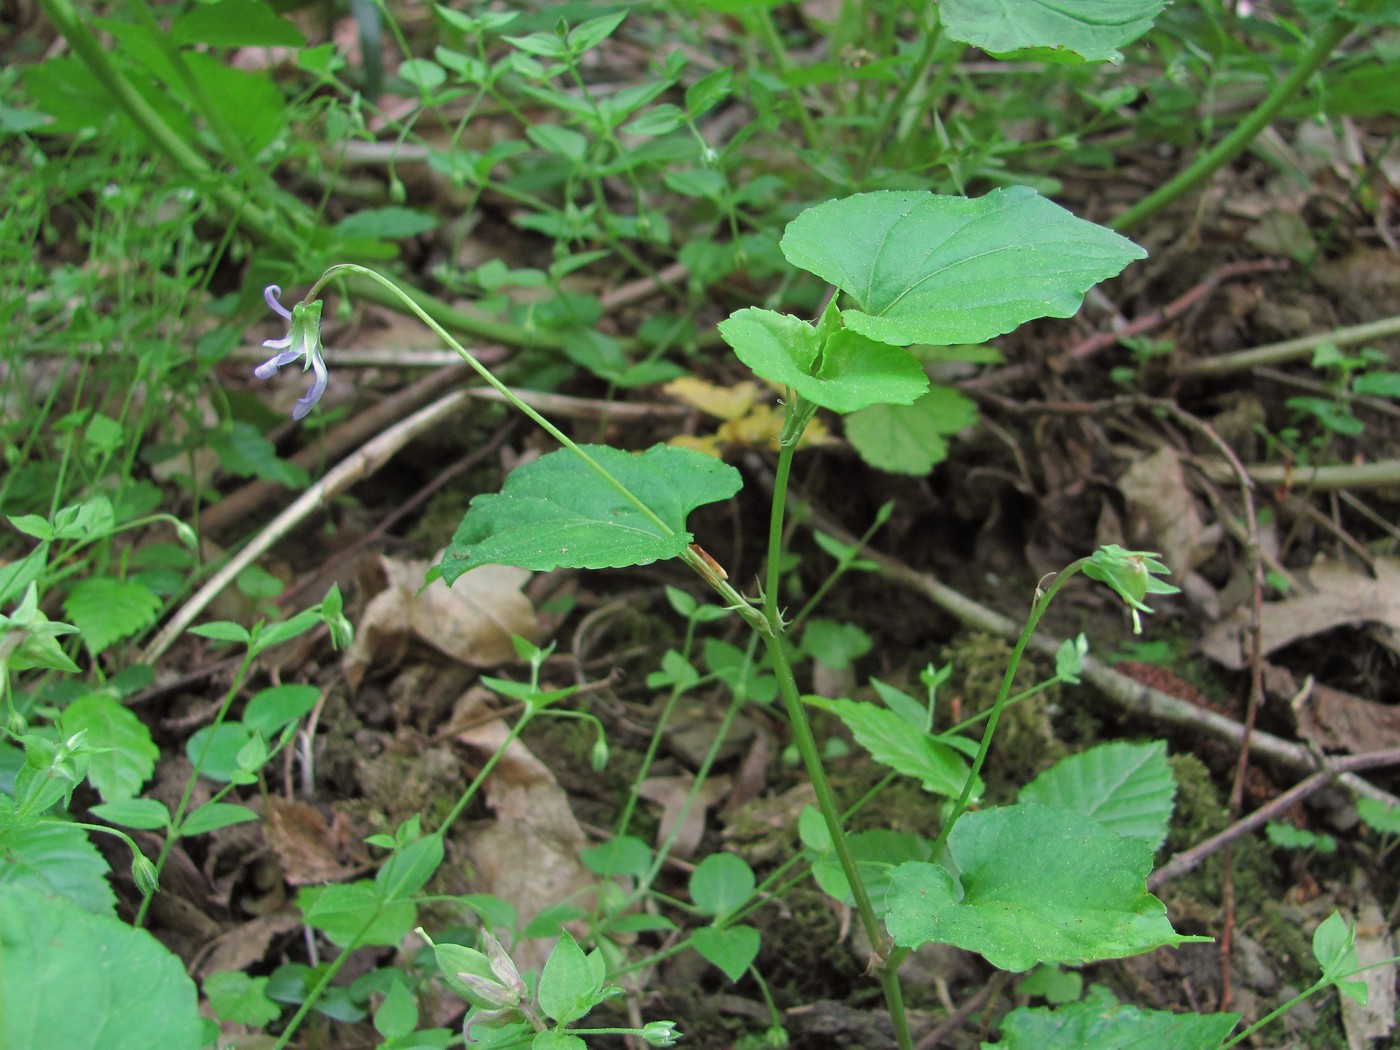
[424, 74]
[52, 859]
[1127, 788]
[18, 575]
[732, 949]
[835, 645]
[242, 450]
[891, 742]
[588, 35]
[853, 373]
[1334, 948]
[560, 141]
[225, 742]
[1091, 29]
[552, 1040]
[1286, 836]
[910, 439]
[721, 883]
[1380, 817]
[1035, 884]
[902, 704]
[558, 513]
[271, 709]
[877, 854]
[569, 987]
[107, 610]
[397, 1015]
[221, 631]
[385, 223]
[931, 269]
[80, 981]
[356, 911]
[88, 520]
[125, 756]
[626, 855]
[251, 104]
[406, 872]
[236, 997]
[708, 91]
[147, 814]
[235, 23]
[1099, 1021]
[214, 815]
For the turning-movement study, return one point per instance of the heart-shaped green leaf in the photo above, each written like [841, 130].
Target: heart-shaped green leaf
[1091, 29]
[559, 513]
[942, 270]
[731, 949]
[1100, 1020]
[1087, 899]
[910, 439]
[853, 373]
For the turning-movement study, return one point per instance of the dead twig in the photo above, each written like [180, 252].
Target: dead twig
[1290, 349]
[360, 465]
[1190, 859]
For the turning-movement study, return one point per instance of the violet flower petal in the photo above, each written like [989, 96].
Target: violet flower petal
[270, 294]
[307, 403]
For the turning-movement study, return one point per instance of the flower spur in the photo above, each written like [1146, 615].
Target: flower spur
[303, 340]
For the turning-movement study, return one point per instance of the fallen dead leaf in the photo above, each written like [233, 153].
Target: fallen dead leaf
[529, 855]
[310, 850]
[1333, 720]
[247, 943]
[1375, 947]
[1162, 515]
[671, 793]
[472, 621]
[1341, 595]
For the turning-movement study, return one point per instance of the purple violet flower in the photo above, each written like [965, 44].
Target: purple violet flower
[303, 341]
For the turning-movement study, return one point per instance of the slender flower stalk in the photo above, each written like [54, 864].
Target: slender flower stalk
[303, 340]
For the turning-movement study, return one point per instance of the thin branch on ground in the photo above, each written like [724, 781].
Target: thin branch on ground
[362, 464]
[1190, 859]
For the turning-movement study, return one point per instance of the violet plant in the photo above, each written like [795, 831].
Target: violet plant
[907, 268]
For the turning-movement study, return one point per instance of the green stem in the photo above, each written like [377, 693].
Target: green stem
[213, 116]
[654, 744]
[769, 32]
[842, 567]
[480, 778]
[179, 815]
[696, 561]
[775, 641]
[326, 978]
[1238, 140]
[910, 81]
[1002, 701]
[737, 703]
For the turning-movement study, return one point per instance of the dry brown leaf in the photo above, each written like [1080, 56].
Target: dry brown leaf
[1162, 512]
[529, 855]
[1375, 947]
[248, 942]
[472, 621]
[671, 793]
[1334, 720]
[1342, 595]
[310, 850]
